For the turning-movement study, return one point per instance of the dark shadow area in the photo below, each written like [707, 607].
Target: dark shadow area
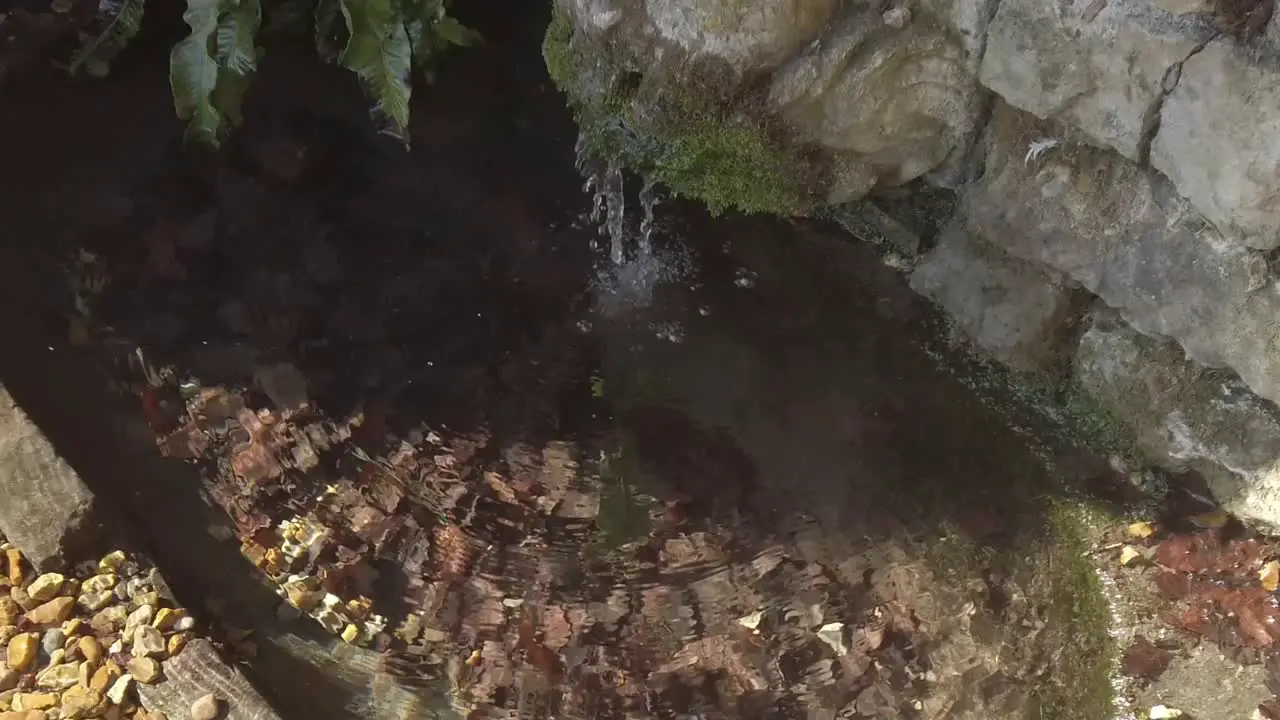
[800, 445]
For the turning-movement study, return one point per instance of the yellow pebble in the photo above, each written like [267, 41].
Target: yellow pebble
[165, 618]
[22, 651]
[45, 587]
[104, 676]
[91, 649]
[34, 701]
[111, 561]
[176, 643]
[351, 633]
[16, 575]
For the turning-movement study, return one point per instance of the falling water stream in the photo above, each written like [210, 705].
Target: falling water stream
[632, 266]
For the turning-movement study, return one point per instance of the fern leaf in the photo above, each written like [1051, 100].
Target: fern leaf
[209, 69]
[236, 35]
[228, 95]
[432, 31]
[455, 33]
[193, 71]
[96, 54]
[237, 56]
[326, 14]
[378, 51]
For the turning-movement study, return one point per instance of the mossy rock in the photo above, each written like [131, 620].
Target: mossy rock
[675, 125]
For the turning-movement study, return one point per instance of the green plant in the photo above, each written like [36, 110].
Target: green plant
[701, 149]
[382, 41]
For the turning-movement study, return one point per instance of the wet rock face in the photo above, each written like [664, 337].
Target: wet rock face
[1124, 233]
[1102, 71]
[46, 506]
[1010, 307]
[1123, 147]
[1218, 146]
[823, 70]
[1185, 417]
[748, 35]
[836, 94]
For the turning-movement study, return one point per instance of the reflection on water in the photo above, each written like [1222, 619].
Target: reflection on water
[798, 515]
[729, 483]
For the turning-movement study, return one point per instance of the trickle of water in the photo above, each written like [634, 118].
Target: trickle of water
[609, 208]
[649, 204]
[635, 265]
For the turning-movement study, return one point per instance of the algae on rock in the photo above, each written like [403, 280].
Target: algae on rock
[702, 147]
[766, 106]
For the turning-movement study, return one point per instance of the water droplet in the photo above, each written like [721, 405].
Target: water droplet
[669, 331]
[744, 278]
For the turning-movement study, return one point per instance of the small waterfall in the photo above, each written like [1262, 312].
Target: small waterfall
[636, 265]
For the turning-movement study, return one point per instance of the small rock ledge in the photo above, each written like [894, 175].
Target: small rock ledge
[1116, 166]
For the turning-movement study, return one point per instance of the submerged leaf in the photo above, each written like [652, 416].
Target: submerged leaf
[1128, 554]
[378, 51]
[1212, 519]
[1269, 576]
[1140, 530]
[1145, 660]
[237, 56]
[228, 95]
[125, 20]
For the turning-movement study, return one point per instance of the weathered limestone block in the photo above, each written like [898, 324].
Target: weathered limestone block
[45, 508]
[197, 671]
[1011, 308]
[746, 34]
[1125, 234]
[1219, 141]
[1104, 75]
[659, 87]
[679, 40]
[774, 106]
[1184, 417]
[890, 104]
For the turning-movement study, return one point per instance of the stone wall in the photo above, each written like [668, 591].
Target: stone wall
[1120, 156]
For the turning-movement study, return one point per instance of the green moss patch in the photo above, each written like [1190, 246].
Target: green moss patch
[724, 163]
[700, 149]
[557, 51]
[1081, 417]
[1078, 685]
[1073, 657]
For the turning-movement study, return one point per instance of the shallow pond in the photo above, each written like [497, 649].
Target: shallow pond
[642, 464]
